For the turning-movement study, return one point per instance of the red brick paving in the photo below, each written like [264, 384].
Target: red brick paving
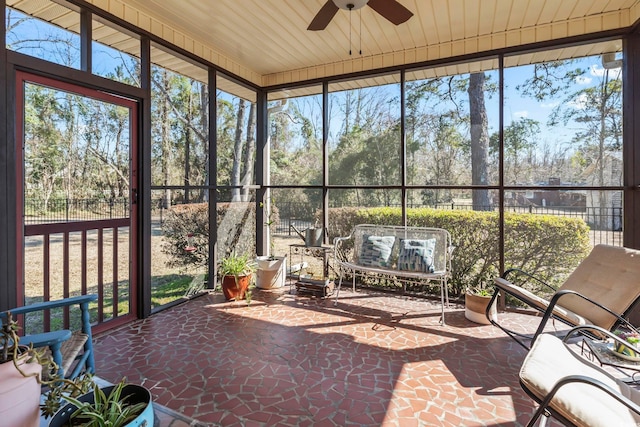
[292, 360]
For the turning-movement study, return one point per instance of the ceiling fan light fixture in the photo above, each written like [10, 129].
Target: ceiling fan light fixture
[391, 10]
[350, 4]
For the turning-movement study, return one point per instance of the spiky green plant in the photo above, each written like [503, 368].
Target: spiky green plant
[236, 265]
[106, 411]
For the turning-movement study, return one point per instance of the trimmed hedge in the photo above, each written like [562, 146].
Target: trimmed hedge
[546, 245]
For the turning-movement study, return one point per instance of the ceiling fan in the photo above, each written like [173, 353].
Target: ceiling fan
[389, 9]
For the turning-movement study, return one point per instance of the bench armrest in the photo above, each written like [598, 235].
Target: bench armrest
[39, 306]
[338, 250]
[338, 240]
[56, 340]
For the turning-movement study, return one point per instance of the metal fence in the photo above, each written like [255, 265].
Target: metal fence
[43, 211]
[605, 222]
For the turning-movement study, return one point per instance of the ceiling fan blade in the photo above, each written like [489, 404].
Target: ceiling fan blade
[391, 10]
[324, 16]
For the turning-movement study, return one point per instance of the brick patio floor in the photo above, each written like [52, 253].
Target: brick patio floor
[291, 360]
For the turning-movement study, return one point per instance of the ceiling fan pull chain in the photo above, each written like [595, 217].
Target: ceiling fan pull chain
[360, 15]
[350, 44]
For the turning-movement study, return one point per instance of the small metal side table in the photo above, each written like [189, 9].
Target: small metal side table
[321, 287]
[602, 352]
[322, 252]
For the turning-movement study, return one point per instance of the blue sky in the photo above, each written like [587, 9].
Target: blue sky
[518, 106]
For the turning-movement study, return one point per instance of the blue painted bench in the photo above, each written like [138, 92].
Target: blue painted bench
[77, 346]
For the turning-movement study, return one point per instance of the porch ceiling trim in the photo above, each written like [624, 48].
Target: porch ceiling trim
[485, 43]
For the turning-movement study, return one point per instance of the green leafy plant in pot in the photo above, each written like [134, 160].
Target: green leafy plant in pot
[25, 370]
[236, 272]
[476, 301]
[23, 373]
[113, 406]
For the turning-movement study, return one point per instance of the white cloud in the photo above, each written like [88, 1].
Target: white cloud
[553, 104]
[520, 114]
[580, 103]
[584, 80]
[598, 71]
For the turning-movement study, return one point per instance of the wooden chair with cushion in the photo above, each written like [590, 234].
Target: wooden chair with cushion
[602, 290]
[72, 351]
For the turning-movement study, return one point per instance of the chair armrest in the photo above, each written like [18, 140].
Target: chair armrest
[46, 339]
[554, 301]
[556, 297]
[582, 379]
[518, 271]
[39, 306]
[601, 332]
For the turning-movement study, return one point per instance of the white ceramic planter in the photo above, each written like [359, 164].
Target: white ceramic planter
[475, 307]
[272, 272]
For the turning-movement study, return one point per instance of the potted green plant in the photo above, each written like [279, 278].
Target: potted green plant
[476, 301]
[20, 371]
[120, 405]
[236, 272]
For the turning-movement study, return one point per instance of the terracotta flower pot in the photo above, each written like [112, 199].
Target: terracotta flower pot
[235, 290]
[475, 308]
[20, 395]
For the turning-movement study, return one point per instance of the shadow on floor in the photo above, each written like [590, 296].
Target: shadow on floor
[292, 360]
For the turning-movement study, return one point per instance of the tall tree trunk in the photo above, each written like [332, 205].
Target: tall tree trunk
[249, 152]
[347, 112]
[479, 141]
[237, 152]
[601, 162]
[358, 107]
[118, 155]
[204, 125]
[187, 148]
[166, 147]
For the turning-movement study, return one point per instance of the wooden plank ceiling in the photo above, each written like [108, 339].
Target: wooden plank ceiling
[266, 41]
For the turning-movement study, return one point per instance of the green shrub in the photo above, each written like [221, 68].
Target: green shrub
[188, 225]
[546, 245]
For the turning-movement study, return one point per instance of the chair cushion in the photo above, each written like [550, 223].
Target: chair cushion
[540, 303]
[376, 250]
[609, 275]
[549, 360]
[416, 255]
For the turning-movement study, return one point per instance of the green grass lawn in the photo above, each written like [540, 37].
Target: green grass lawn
[165, 289]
